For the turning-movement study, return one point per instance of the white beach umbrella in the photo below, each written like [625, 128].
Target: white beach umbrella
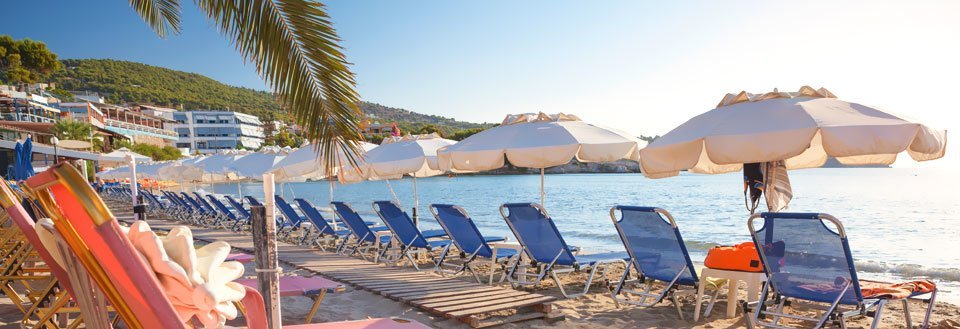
[150, 170]
[794, 130]
[218, 167]
[180, 172]
[539, 141]
[119, 156]
[254, 165]
[115, 173]
[305, 163]
[414, 155]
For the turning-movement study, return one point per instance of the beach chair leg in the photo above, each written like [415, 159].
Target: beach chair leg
[559, 284]
[316, 306]
[876, 314]
[926, 317]
[906, 312]
[833, 307]
[754, 316]
[619, 287]
[676, 304]
[713, 301]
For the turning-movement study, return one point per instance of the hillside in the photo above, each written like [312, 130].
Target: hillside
[129, 82]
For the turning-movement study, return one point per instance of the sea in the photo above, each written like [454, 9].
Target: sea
[901, 222]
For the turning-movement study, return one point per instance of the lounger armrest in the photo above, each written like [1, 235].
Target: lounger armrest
[254, 307]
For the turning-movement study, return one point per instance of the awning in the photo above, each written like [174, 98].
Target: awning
[47, 149]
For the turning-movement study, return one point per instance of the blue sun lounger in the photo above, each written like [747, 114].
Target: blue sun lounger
[322, 231]
[253, 201]
[548, 253]
[657, 254]
[409, 238]
[215, 216]
[179, 208]
[242, 213]
[201, 214]
[807, 258]
[227, 215]
[471, 244]
[291, 222]
[365, 238]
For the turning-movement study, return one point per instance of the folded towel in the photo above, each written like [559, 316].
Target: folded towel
[887, 290]
[877, 289]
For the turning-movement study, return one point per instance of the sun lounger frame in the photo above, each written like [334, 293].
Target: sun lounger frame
[772, 304]
[518, 274]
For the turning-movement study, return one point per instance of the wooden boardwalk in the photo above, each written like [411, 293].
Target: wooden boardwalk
[451, 298]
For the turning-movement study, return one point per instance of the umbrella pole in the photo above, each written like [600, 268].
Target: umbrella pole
[133, 187]
[542, 193]
[264, 227]
[416, 203]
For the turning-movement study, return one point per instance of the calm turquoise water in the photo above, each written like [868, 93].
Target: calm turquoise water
[901, 221]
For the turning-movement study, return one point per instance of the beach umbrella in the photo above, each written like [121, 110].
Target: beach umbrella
[254, 165]
[776, 131]
[115, 173]
[179, 172]
[27, 158]
[414, 155]
[119, 156]
[306, 163]
[150, 170]
[18, 161]
[539, 141]
[218, 167]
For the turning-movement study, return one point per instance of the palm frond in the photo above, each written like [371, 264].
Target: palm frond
[163, 16]
[295, 49]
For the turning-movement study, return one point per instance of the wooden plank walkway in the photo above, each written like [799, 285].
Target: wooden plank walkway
[469, 302]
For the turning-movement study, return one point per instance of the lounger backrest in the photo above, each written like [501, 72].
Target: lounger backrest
[95, 238]
[654, 243]
[179, 201]
[353, 221]
[193, 203]
[222, 207]
[806, 256]
[290, 214]
[27, 226]
[314, 216]
[239, 207]
[203, 202]
[461, 229]
[400, 224]
[536, 233]
[253, 201]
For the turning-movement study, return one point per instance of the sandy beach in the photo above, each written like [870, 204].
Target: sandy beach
[595, 310]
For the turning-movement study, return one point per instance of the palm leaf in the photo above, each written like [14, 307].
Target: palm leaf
[163, 16]
[295, 49]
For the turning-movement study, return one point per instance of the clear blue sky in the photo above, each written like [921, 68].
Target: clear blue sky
[643, 67]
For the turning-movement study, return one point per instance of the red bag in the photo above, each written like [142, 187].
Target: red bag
[741, 257]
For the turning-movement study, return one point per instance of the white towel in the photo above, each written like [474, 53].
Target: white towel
[776, 186]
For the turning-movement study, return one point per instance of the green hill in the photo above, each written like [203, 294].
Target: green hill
[129, 82]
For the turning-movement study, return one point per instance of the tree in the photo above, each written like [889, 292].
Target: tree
[294, 48]
[429, 129]
[62, 95]
[155, 152]
[25, 60]
[463, 134]
[375, 139]
[284, 138]
[72, 129]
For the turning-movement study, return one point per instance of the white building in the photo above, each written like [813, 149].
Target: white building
[209, 131]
